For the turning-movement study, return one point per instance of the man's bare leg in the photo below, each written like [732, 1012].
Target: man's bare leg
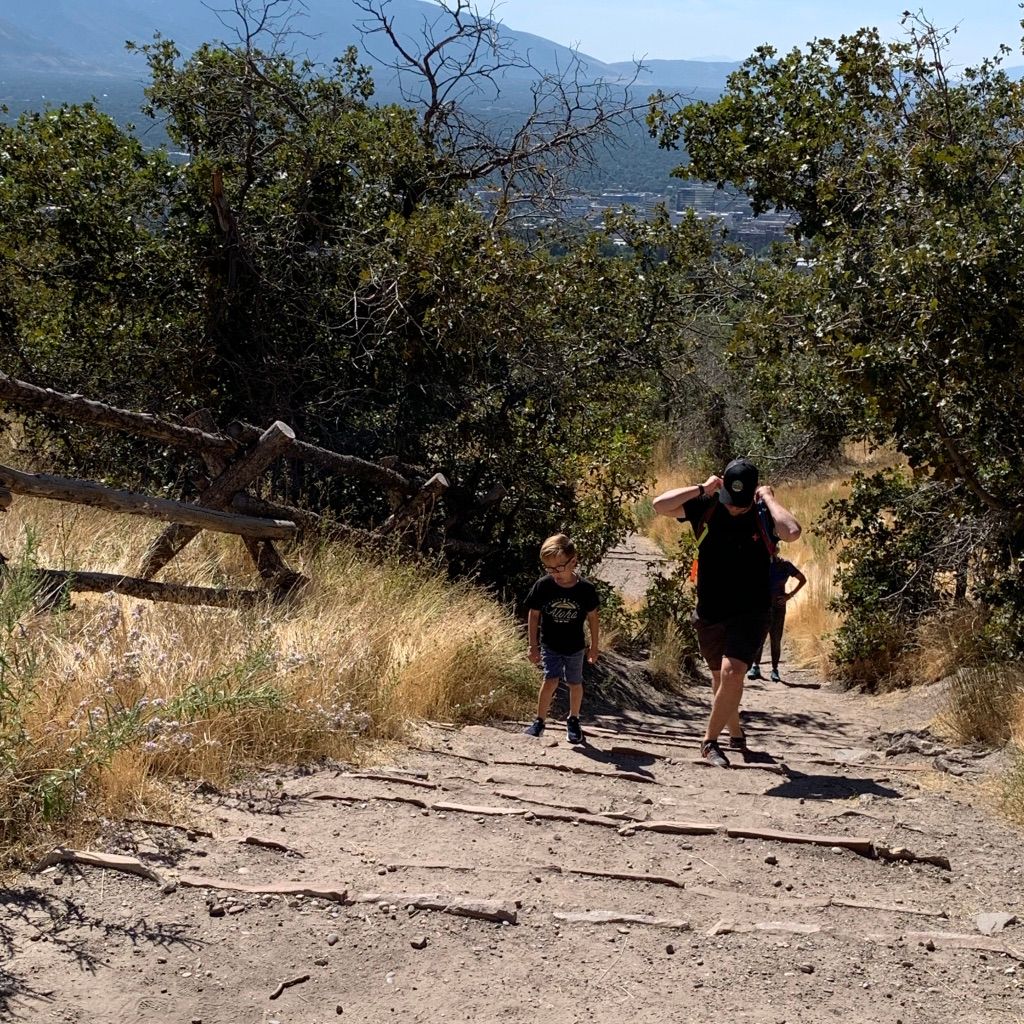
[727, 688]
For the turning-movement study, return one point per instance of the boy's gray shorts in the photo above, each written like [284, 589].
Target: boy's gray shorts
[562, 666]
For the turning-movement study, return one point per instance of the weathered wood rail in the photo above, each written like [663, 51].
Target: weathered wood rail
[234, 459]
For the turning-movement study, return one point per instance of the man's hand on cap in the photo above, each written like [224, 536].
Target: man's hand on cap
[764, 491]
[712, 484]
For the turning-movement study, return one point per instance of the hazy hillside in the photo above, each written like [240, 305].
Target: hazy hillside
[57, 51]
[87, 38]
[96, 32]
[23, 53]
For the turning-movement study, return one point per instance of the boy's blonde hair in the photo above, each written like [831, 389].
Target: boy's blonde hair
[557, 545]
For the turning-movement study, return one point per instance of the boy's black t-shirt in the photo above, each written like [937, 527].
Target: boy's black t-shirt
[563, 610]
[732, 561]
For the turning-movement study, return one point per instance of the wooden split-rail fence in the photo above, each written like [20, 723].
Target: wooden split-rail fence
[233, 459]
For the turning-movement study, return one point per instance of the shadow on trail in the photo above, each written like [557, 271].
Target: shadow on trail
[621, 759]
[758, 756]
[617, 685]
[43, 917]
[829, 787]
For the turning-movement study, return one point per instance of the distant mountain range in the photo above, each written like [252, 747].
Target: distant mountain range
[69, 37]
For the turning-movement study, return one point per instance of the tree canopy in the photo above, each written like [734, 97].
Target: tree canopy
[903, 326]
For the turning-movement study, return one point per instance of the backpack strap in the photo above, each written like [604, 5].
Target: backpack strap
[700, 537]
[704, 523]
[766, 526]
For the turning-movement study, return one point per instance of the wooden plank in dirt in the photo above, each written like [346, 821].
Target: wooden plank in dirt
[364, 798]
[725, 927]
[885, 908]
[678, 828]
[496, 812]
[761, 901]
[901, 853]
[269, 844]
[481, 910]
[617, 917]
[583, 819]
[319, 892]
[858, 844]
[627, 876]
[91, 858]
[451, 753]
[576, 770]
[401, 780]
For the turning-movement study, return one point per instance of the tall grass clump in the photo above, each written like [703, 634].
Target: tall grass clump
[106, 703]
[985, 704]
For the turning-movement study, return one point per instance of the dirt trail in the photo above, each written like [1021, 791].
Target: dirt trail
[738, 929]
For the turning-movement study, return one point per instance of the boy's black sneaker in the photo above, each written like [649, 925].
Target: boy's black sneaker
[573, 732]
[738, 743]
[712, 753]
[536, 728]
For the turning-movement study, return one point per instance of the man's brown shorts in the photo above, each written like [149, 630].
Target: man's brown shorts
[739, 638]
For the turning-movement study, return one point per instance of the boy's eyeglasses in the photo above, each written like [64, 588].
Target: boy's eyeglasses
[558, 568]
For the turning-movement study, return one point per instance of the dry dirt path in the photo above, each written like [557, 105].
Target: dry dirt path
[485, 821]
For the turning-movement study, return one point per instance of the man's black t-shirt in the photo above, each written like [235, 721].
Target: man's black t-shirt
[563, 610]
[732, 561]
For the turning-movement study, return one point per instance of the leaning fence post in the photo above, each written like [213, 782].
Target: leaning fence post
[272, 568]
[239, 473]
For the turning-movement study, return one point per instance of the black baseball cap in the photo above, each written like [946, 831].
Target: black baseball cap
[739, 482]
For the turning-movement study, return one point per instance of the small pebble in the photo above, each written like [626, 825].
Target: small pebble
[670, 949]
[419, 942]
[771, 859]
[333, 939]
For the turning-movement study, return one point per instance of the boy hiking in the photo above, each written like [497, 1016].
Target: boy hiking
[736, 523]
[779, 574]
[559, 603]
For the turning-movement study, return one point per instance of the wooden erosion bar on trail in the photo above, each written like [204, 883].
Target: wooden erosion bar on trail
[86, 492]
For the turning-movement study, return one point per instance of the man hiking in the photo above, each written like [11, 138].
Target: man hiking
[736, 523]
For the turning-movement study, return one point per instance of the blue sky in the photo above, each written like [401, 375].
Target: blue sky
[730, 29]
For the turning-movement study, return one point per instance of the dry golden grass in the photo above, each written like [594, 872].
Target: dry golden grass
[102, 705]
[985, 704]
